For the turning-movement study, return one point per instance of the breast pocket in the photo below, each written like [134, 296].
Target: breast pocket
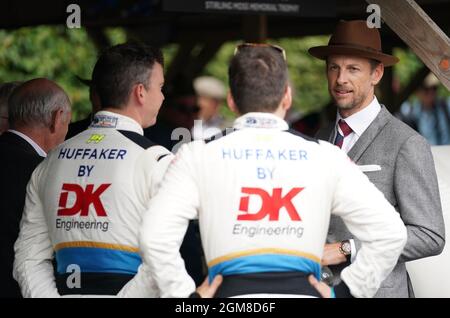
[377, 177]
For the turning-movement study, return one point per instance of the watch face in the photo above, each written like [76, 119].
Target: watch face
[346, 248]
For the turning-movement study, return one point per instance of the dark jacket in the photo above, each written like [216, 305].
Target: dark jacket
[17, 162]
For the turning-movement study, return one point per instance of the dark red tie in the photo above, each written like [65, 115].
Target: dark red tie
[346, 130]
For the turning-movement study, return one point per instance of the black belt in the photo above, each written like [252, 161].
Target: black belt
[289, 283]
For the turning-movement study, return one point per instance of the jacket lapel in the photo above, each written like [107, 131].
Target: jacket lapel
[327, 133]
[370, 134]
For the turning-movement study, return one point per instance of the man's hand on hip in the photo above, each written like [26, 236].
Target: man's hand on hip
[206, 290]
[332, 255]
[323, 289]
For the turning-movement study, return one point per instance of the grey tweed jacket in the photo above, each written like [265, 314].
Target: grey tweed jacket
[408, 181]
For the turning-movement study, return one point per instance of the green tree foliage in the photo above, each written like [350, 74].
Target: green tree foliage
[53, 52]
[61, 54]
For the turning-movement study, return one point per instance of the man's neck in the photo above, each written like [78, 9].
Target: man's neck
[348, 112]
[280, 112]
[37, 134]
[125, 112]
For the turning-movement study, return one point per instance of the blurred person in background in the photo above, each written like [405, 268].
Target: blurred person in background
[6, 90]
[429, 114]
[211, 95]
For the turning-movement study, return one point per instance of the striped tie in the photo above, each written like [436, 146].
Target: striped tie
[345, 128]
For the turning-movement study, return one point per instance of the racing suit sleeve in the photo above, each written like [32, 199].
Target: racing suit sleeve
[33, 268]
[165, 224]
[371, 219]
[143, 285]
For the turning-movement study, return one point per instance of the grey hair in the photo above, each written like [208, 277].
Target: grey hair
[36, 107]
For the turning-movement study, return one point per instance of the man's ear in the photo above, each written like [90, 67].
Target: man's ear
[377, 74]
[139, 92]
[286, 102]
[231, 104]
[57, 120]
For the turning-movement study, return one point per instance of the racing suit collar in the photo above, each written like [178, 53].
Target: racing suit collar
[260, 120]
[107, 119]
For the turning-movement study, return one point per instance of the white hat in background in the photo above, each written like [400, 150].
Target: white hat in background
[431, 81]
[209, 87]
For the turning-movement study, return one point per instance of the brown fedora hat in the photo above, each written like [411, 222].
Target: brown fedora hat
[354, 38]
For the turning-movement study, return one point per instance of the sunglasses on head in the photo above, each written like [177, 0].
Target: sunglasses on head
[263, 45]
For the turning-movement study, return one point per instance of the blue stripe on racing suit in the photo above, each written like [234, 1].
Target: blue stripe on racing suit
[98, 260]
[265, 263]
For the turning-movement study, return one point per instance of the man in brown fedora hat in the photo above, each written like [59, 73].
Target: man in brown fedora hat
[394, 157]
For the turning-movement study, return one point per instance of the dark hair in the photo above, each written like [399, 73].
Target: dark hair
[121, 67]
[373, 64]
[257, 77]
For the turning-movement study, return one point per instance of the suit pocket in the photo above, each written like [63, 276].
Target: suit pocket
[369, 168]
[377, 177]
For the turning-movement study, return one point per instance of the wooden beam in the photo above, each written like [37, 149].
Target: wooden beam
[421, 34]
[181, 58]
[254, 28]
[198, 63]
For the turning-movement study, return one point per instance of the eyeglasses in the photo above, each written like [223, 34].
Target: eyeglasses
[266, 45]
[4, 117]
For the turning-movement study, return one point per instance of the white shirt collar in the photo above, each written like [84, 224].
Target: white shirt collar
[359, 121]
[106, 119]
[260, 120]
[35, 146]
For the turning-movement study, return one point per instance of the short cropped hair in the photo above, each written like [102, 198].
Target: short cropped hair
[258, 77]
[35, 107]
[121, 67]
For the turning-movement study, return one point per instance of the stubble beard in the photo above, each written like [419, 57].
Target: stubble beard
[356, 102]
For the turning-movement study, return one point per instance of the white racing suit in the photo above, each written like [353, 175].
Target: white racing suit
[263, 196]
[84, 205]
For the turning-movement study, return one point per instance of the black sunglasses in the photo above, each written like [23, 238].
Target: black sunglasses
[250, 45]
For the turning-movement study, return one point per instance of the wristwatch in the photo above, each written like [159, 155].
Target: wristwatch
[345, 248]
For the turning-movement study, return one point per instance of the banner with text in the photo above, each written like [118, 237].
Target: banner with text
[303, 8]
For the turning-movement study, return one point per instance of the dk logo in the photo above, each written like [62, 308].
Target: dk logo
[271, 204]
[83, 199]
